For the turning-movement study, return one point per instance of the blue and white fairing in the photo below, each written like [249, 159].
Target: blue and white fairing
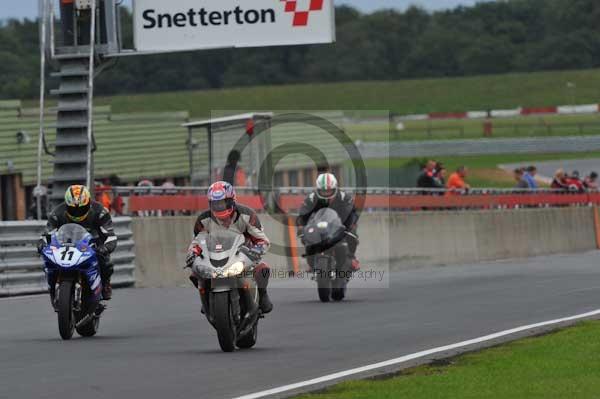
[70, 250]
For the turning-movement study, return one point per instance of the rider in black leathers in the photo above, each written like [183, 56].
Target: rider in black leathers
[79, 208]
[328, 195]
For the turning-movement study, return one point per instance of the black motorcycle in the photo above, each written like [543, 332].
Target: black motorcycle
[328, 254]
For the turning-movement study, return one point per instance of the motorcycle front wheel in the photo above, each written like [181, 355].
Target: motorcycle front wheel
[66, 316]
[224, 324]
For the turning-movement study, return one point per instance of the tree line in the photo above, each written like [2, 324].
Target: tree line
[488, 38]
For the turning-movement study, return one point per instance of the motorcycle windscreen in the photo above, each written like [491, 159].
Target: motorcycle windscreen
[222, 245]
[71, 234]
[323, 230]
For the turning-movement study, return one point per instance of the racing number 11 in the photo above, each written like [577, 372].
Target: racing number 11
[68, 252]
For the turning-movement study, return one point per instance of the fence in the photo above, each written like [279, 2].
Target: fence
[21, 269]
[157, 201]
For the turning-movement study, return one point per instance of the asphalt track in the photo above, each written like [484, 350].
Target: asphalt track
[154, 343]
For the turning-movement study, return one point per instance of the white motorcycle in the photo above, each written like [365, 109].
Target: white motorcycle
[227, 288]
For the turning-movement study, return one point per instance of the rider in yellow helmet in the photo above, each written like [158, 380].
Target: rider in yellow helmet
[80, 208]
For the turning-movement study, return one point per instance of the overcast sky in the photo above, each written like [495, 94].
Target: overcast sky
[28, 8]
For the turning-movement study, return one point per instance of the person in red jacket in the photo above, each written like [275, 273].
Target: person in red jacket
[456, 182]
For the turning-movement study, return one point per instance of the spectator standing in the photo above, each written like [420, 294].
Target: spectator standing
[427, 178]
[440, 175]
[233, 173]
[574, 182]
[456, 182]
[146, 189]
[169, 188]
[102, 191]
[521, 183]
[591, 182]
[67, 13]
[560, 181]
[117, 203]
[529, 177]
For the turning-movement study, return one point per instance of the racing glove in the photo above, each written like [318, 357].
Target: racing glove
[194, 252]
[41, 244]
[254, 254]
[102, 252]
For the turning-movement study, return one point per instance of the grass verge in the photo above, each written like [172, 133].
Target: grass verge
[457, 129]
[560, 365]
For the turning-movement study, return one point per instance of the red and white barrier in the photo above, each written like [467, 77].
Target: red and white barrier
[579, 109]
[507, 113]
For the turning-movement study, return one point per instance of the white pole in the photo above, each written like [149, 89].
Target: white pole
[52, 37]
[43, 18]
[91, 94]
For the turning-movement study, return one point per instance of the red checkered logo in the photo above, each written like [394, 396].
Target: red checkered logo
[301, 16]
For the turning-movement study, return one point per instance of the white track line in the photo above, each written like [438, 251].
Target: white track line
[404, 359]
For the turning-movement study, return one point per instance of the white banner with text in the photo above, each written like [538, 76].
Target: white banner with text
[181, 25]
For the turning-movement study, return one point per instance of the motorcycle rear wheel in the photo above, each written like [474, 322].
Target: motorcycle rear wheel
[66, 316]
[224, 324]
[324, 289]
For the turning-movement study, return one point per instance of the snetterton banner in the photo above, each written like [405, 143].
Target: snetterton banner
[180, 25]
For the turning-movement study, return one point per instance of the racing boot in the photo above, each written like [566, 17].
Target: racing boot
[106, 290]
[264, 302]
[262, 275]
[106, 272]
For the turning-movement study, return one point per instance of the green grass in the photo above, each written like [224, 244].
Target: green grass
[561, 365]
[527, 126]
[363, 99]
[483, 169]
[401, 97]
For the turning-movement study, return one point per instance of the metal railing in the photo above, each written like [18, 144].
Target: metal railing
[171, 201]
[470, 130]
[21, 269]
[127, 191]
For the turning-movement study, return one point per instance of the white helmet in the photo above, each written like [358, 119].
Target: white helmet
[327, 186]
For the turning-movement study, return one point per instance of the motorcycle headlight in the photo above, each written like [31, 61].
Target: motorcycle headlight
[234, 270]
[205, 272]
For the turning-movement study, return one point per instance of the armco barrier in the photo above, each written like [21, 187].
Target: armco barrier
[396, 240]
[21, 269]
[441, 238]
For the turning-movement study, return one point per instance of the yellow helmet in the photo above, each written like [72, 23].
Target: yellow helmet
[79, 201]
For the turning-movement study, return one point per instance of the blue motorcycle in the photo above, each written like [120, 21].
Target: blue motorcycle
[71, 267]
